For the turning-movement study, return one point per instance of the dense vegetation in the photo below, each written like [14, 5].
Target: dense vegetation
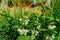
[40, 22]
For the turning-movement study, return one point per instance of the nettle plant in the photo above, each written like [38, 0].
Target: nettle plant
[30, 26]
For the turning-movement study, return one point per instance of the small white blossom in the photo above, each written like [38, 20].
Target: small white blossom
[46, 37]
[23, 32]
[53, 36]
[26, 22]
[49, 37]
[20, 31]
[20, 19]
[54, 26]
[51, 27]
[35, 32]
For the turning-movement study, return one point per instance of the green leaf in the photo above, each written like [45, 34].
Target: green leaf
[26, 37]
[1, 25]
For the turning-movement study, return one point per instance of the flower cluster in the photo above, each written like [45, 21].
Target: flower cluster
[34, 32]
[23, 31]
[50, 37]
[24, 20]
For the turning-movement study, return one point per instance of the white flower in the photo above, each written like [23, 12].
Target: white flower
[35, 32]
[53, 36]
[51, 27]
[20, 31]
[20, 19]
[23, 32]
[46, 37]
[54, 26]
[49, 37]
[26, 22]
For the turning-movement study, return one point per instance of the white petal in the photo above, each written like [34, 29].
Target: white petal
[54, 26]
[47, 37]
[20, 19]
[53, 36]
[26, 22]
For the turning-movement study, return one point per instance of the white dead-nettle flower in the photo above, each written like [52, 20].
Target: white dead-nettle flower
[26, 21]
[49, 37]
[54, 26]
[23, 32]
[51, 27]
[20, 19]
[53, 36]
[46, 37]
[35, 32]
[20, 31]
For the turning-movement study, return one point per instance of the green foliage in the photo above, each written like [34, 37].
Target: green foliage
[26, 37]
[31, 26]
